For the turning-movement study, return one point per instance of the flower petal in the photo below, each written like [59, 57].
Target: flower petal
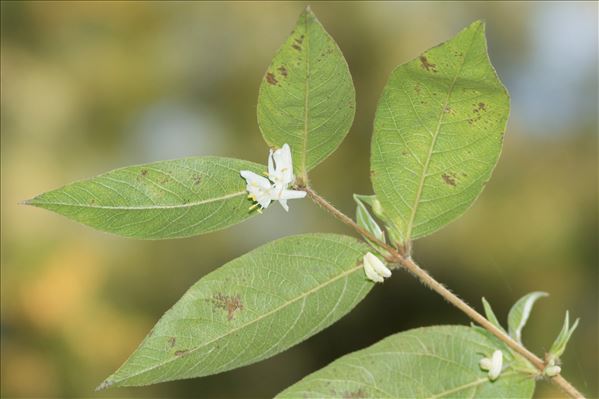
[283, 203]
[254, 179]
[291, 194]
[284, 165]
[271, 164]
[264, 201]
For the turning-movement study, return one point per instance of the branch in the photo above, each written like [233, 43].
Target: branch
[407, 263]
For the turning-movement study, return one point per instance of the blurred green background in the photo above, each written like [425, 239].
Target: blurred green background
[88, 87]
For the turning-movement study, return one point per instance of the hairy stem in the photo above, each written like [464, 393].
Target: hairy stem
[406, 262]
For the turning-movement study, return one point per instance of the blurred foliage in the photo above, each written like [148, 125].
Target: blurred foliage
[91, 86]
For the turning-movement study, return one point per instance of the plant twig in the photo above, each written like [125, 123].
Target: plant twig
[407, 263]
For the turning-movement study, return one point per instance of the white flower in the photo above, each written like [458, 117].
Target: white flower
[280, 166]
[280, 173]
[375, 269]
[259, 188]
[493, 365]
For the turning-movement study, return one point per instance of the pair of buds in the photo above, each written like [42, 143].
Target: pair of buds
[493, 365]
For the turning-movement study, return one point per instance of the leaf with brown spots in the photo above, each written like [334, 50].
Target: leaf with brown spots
[430, 116]
[307, 97]
[251, 309]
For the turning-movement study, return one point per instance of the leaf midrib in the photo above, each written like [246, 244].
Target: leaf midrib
[468, 385]
[306, 95]
[424, 174]
[137, 208]
[230, 332]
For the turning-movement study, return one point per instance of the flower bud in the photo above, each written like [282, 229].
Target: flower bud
[552, 371]
[496, 365]
[375, 269]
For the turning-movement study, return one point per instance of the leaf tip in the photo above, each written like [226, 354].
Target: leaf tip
[31, 201]
[37, 200]
[536, 295]
[477, 27]
[574, 325]
[104, 385]
[479, 24]
[308, 13]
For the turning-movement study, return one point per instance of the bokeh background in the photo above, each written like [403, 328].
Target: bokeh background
[91, 86]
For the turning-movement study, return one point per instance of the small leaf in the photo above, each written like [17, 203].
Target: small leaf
[252, 308]
[167, 199]
[377, 209]
[366, 221]
[307, 96]
[430, 362]
[438, 133]
[519, 313]
[371, 201]
[491, 315]
[560, 343]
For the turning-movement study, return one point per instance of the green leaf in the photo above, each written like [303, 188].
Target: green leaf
[519, 313]
[438, 133]
[560, 343]
[366, 221]
[307, 97]
[431, 362]
[491, 315]
[166, 199]
[252, 308]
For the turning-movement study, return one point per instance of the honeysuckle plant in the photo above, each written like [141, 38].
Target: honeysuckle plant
[438, 133]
